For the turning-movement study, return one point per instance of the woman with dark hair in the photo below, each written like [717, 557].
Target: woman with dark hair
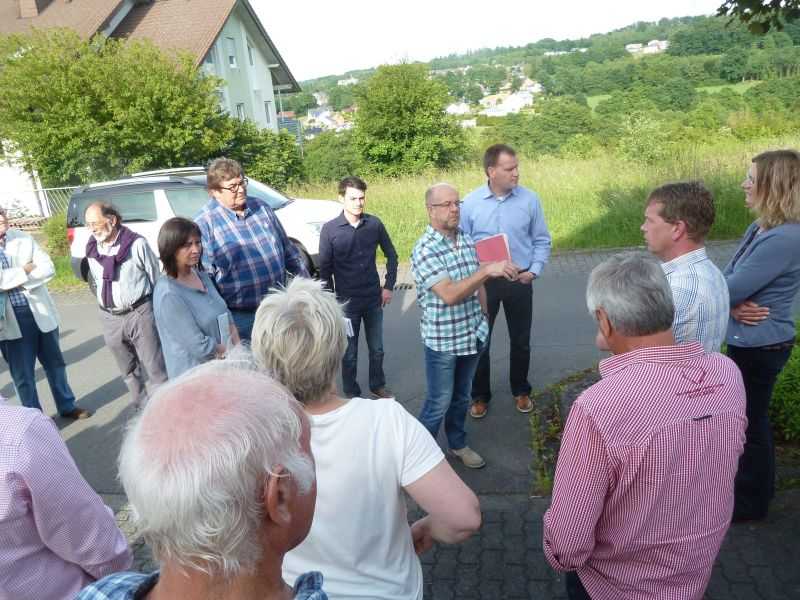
[193, 322]
[763, 278]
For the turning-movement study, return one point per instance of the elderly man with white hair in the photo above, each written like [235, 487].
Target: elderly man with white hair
[643, 490]
[368, 454]
[220, 475]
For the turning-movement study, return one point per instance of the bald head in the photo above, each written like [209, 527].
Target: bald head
[439, 192]
[195, 462]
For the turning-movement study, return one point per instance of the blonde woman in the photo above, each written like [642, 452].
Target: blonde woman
[763, 278]
[368, 454]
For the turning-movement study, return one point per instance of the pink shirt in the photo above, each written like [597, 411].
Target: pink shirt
[643, 490]
[56, 535]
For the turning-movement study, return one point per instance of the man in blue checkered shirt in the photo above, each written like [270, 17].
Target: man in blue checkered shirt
[245, 249]
[454, 327]
[676, 221]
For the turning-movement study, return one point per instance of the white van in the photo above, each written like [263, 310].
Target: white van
[146, 200]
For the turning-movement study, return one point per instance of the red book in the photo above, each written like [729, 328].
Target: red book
[493, 248]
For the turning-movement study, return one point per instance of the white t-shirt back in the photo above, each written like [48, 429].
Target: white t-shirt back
[366, 452]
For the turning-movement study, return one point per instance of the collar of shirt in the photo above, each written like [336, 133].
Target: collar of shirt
[250, 207]
[661, 354]
[341, 221]
[439, 237]
[684, 260]
[106, 246]
[486, 193]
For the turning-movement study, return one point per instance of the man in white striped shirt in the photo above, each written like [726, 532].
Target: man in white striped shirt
[677, 219]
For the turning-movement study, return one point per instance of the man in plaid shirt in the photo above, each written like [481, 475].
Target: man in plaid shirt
[245, 249]
[454, 327]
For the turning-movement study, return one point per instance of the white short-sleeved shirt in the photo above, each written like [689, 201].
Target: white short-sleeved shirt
[366, 452]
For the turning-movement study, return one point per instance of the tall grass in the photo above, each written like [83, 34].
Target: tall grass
[588, 203]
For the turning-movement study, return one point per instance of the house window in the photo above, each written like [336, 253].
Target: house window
[267, 110]
[209, 60]
[240, 111]
[231, 45]
[250, 55]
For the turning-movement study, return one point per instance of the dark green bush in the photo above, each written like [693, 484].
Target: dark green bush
[55, 233]
[785, 406]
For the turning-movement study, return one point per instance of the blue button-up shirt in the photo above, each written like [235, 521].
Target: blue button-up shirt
[459, 329]
[15, 295]
[701, 299]
[246, 255]
[347, 260]
[519, 215]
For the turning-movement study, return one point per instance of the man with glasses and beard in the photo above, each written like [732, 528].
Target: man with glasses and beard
[245, 249]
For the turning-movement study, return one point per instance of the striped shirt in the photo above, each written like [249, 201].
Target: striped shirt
[458, 329]
[701, 299]
[15, 295]
[246, 255]
[643, 490]
[56, 535]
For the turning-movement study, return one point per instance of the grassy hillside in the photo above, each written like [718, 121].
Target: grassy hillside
[590, 203]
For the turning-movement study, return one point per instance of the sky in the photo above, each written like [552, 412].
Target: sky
[319, 38]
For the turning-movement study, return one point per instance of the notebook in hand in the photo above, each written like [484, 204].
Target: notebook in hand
[493, 248]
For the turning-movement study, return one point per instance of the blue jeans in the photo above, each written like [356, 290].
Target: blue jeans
[449, 379]
[373, 329]
[243, 319]
[21, 355]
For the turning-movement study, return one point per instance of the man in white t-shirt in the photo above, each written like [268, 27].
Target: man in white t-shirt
[368, 453]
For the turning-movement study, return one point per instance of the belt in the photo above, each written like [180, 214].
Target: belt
[137, 304]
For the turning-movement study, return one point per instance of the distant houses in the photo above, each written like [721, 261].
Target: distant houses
[652, 47]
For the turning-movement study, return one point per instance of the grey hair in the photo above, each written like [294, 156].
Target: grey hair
[633, 291]
[299, 338]
[430, 193]
[196, 484]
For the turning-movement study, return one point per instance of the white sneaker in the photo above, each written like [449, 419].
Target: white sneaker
[469, 457]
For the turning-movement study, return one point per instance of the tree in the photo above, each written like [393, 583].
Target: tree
[299, 103]
[342, 96]
[330, 156]
[761, 15]
[401, 125]
[733, 65]
[273, 158]
[78, 111]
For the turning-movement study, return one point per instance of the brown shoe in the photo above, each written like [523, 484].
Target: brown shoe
[383, 392]
[524, 403]
[478, 409]
[77, 414]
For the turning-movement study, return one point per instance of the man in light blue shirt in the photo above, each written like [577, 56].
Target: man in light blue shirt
[676, 221]
[503, 206]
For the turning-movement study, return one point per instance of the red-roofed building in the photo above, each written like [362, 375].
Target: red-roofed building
[225, 38]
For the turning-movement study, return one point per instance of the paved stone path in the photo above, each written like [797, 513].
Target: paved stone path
[759, 561]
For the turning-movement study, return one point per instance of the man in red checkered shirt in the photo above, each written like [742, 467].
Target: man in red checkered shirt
[643, 490]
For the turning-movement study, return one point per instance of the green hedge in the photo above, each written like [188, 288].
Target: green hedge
[55, 233]
[785, 406]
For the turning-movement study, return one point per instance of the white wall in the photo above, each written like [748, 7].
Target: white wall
[17, 190]
[249, 87]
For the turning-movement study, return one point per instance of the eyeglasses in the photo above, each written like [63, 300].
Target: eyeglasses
[235, 187]
[449, 205]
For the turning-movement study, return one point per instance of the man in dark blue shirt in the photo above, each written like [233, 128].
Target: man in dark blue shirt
[347, 248]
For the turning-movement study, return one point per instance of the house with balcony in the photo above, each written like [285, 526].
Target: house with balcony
[224, 37]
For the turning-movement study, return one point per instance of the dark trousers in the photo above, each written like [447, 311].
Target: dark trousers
[133, 340]
[373, 329]
[21, 355]
[755, 479]
[575, 589]
[517, 301]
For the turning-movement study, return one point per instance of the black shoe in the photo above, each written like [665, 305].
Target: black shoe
[77, 414]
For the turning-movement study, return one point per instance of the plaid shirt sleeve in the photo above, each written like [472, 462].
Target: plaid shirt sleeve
[428, 266]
